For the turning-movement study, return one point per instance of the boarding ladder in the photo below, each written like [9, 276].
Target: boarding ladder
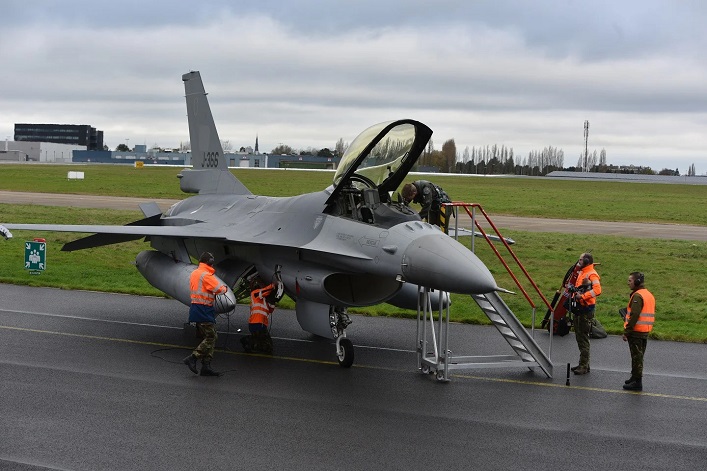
[434, 355]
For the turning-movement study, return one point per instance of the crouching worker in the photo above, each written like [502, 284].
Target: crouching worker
[262, 305]
[204, 288]
[430, 197]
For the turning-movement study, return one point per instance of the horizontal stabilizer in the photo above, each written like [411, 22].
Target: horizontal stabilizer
[150, 209]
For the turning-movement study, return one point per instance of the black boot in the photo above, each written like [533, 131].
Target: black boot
[630, 380]
[245, 341]
[635, 385]
[190, 361]
[206, 369]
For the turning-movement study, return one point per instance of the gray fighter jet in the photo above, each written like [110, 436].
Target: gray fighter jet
[348, 245]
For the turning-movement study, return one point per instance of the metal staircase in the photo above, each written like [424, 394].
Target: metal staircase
[434, 355]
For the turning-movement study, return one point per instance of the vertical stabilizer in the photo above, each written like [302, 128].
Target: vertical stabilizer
[206, 150]
[209, 173]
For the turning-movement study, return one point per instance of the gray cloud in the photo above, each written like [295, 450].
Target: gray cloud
[523, 74]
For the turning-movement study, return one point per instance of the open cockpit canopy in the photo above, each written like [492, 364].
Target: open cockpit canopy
[381, 157]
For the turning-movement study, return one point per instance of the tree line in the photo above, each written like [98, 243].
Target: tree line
[482, 160]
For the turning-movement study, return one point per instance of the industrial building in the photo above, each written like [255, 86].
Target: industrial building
[47, 152]
[73, 134]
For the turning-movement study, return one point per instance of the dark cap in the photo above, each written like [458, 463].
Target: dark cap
[207, 258]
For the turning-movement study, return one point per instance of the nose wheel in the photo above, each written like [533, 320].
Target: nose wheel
[344, 352]
[339, 320]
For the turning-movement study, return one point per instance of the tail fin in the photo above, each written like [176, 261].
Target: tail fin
[206, 150]
[210, 172]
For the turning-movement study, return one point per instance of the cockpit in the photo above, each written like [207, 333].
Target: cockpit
[374, 165]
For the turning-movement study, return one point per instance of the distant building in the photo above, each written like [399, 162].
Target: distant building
[47, 152]
[74, 134]
[312, 162]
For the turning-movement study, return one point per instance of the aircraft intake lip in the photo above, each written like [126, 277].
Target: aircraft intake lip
[440, 262]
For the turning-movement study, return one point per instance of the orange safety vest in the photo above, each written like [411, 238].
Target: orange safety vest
[260, 308]
[647, 315]
[204, 285]
[589, 298]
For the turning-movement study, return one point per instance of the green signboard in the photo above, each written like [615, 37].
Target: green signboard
[35, 256]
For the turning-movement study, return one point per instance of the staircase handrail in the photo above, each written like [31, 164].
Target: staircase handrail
[466, 206]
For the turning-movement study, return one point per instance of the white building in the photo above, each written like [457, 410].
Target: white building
[49, 152]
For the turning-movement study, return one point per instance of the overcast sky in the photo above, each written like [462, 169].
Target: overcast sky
[525, 74]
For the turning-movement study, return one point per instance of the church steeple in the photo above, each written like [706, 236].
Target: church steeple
[256, 144]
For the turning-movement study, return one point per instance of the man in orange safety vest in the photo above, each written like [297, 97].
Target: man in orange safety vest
[585, 299]
[204, 287]
[262, 299]
[638, 324]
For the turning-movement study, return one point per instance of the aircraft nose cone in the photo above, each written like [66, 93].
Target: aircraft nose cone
[440, 262]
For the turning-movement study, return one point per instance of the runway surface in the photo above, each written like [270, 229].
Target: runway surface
[570, 226]
[94, 381]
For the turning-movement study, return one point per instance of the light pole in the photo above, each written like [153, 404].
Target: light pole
[586, 149]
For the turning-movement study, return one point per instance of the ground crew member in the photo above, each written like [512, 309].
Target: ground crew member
[585, 298]
[262, 299]
[638, 323]
[430, 197]
[204, 288]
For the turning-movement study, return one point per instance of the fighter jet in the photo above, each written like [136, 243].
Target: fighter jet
[351, 244]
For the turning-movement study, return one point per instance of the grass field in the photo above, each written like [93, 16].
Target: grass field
[674, 269]
[534, 197]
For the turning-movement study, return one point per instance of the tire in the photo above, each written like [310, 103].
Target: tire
[346, 357]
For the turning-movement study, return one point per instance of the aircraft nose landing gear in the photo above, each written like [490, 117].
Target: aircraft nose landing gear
[339, 320]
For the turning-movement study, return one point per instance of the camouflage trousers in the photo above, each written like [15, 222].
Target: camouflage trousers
[259, 342]
[637, 347]
[582, 327]
[205, 350]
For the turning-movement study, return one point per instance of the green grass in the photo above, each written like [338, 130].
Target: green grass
[674, 269]
[533, 197]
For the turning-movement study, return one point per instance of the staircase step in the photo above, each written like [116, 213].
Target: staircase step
[513, 331]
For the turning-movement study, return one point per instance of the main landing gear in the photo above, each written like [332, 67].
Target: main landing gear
[339, 320]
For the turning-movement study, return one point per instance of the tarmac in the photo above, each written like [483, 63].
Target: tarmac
[95, 381]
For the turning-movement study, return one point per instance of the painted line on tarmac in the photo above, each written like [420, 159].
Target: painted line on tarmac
[583, 388]
[80, 318]
[327, 362]
[159, 326]
[166, 345]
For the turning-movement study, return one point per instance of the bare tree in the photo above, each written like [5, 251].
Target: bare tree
[226, 145]
[426, 158]
[340, 147]
[449, 150]
[465, 155]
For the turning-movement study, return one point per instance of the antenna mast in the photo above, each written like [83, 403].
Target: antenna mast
[586, 149]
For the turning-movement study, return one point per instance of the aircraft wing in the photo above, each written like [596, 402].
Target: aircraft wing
[106, 234]
[167, 231]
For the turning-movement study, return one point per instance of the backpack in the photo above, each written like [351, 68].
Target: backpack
[597, 331]
[442, 195]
